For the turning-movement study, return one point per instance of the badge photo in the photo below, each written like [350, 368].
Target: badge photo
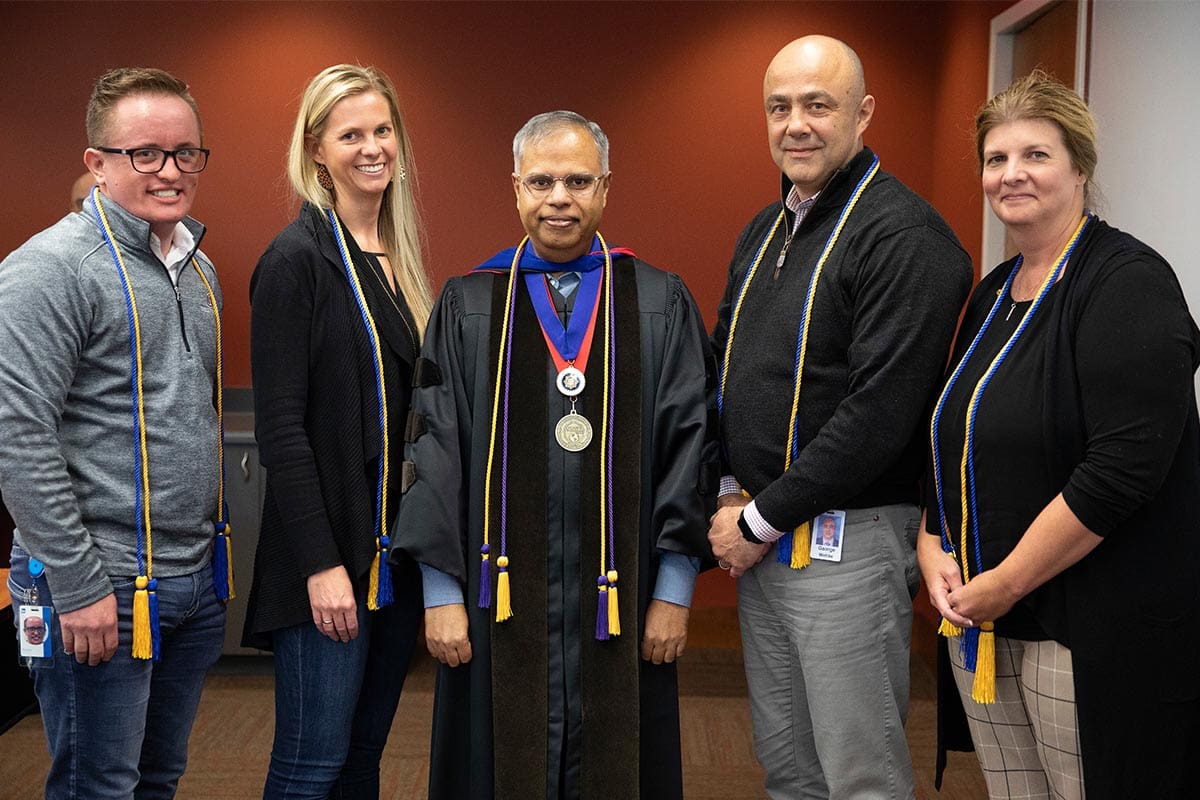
[34, 633]
[828, 530]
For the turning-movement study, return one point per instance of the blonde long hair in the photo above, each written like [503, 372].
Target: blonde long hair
[399, 223]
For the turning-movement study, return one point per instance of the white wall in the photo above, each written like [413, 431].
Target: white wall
[1145, 92]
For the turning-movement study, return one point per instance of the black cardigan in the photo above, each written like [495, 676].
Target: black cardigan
[316, 417]
[1103, 385]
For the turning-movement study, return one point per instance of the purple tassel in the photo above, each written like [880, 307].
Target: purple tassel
[155, 633]
[602, 609]
[485, 578]
[783, 548]
[384, 594]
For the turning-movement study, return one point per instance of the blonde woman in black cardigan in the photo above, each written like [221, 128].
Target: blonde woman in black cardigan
[338, 304]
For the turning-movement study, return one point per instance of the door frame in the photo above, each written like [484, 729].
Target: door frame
[1005, 27]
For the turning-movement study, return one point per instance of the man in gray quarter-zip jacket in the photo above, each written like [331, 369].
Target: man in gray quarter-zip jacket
[109, 446]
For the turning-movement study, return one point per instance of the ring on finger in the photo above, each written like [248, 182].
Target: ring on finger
[326, 622]
[723, 564]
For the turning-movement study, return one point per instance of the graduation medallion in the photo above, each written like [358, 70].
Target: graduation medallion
[573, 432]
[570, 381]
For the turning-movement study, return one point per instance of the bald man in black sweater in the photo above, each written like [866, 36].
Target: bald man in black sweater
[833, 332]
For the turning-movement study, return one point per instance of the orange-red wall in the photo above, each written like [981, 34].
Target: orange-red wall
[677, 86]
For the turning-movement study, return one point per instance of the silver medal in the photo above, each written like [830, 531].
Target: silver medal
[573, 432]
[570, 382]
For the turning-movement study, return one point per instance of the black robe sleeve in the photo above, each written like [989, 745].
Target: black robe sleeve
[432, 522]
[684, 450]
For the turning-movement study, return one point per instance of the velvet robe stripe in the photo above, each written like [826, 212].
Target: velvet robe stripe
[520, 644]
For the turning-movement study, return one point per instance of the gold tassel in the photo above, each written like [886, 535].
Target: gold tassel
[373, 584]
[229, 563]
[142, 644]
[984, 689]
[503, 601]
[614, 614]
[802, 545]
[947, 628]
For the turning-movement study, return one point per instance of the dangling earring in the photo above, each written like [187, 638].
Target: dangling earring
[324, 179]
[401, 172]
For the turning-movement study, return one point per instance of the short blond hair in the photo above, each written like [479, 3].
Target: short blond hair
[115, 85]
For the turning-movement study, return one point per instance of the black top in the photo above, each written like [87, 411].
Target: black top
[999, 438]
[1096, 401]
[883, 319]
[316, 415]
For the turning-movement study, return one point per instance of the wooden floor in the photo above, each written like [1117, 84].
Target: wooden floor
[231, 740]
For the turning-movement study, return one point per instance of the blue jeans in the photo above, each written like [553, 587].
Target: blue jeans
[120, 729]
[334, 701]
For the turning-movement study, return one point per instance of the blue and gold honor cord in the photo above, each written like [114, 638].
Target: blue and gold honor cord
[793, 548]
[146, 638]
[978, 644]
[379, 585]
[608, 621]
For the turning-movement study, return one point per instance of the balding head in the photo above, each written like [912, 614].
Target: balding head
[817, 109]
[833, 55]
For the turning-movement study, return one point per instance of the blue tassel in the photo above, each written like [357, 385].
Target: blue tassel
[220, 565]
[970, 648]
[385, 595]
[602, 609]
[783, 549]
[485, 578]
[155, 633]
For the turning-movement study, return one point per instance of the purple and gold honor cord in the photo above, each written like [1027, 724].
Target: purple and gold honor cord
[607, 616]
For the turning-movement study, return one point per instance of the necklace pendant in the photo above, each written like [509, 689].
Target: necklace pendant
[783, 251]
[570, 381]
[573, 432]
[779, 262]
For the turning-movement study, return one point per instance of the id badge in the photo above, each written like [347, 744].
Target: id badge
[34, 631]
[828, 533]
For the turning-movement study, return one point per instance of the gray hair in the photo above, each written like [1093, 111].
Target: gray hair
[543, 125]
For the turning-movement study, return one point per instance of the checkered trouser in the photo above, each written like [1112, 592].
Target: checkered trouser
[1028, 740]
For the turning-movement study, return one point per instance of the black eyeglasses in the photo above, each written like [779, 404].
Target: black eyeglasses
[149, 160]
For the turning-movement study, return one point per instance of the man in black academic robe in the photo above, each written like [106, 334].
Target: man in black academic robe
[594, 493]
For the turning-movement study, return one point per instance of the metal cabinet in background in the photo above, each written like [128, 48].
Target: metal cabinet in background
[245, 485]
